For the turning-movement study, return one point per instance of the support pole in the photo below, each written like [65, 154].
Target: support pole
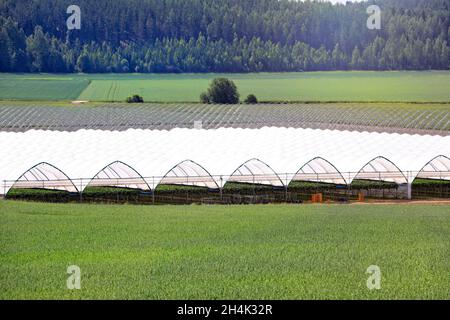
[187, 189]
[286, 189]
[81, 190]
[381, 185]
[153, 190]
[349, 186]
[409, 186]
[221, 188]
[409, 190]
[254, 191]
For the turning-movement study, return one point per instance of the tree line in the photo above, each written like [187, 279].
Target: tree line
[222, 36]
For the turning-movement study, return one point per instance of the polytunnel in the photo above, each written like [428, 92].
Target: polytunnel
[319, 170]
[189, 173]
[148, 156]
[381, 169]
[44, 176]
[256, 171]
[437, 168]
[121, 175]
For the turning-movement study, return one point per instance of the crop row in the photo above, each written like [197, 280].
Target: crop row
[360, 117]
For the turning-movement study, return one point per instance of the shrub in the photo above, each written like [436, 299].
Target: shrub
[135, 99]
[204, 98]
[251, 99]
[221, 91]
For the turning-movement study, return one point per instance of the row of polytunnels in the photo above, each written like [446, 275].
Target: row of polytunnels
[189, 173]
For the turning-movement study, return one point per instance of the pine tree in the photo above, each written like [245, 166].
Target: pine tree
[38, 48]
[356, 62]
[5, 57]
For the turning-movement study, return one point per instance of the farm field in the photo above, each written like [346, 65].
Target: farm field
[311, 86]
[41, 87]
[220, 252]
[380, 117]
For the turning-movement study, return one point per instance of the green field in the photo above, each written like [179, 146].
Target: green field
[41, 87]
[411, 86]
[248, 252]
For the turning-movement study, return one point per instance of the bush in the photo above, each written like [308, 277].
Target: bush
[135, 99]
[251, 99]
[204, 98]
[221, 91]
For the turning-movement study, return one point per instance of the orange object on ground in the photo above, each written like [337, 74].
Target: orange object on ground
[317, 198]
[361, 197]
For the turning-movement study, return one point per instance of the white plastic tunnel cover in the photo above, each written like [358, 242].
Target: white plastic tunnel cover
[121, 175]
[44, 176]
[319, 170]
[257, 172]
[381, 169]
[189, 173]
[438, 169]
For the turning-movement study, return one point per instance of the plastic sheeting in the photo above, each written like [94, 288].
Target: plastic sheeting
[189, 173]
[119, 174]
[319, 170]
[45, 176]
[438, 168]
[210, 158]
[257, 172]
[381, 169]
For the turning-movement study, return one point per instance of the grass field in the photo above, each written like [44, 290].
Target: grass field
[41, 87]
[248, 252]
[314, 86]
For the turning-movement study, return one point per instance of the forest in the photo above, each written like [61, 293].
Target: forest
[173, 36]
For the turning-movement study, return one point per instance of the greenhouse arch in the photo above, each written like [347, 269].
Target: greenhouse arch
[381, 169]
[189, 173]
[256, 171]
[121, 175]
[319, 170]
[437, 168]
[44, 176]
